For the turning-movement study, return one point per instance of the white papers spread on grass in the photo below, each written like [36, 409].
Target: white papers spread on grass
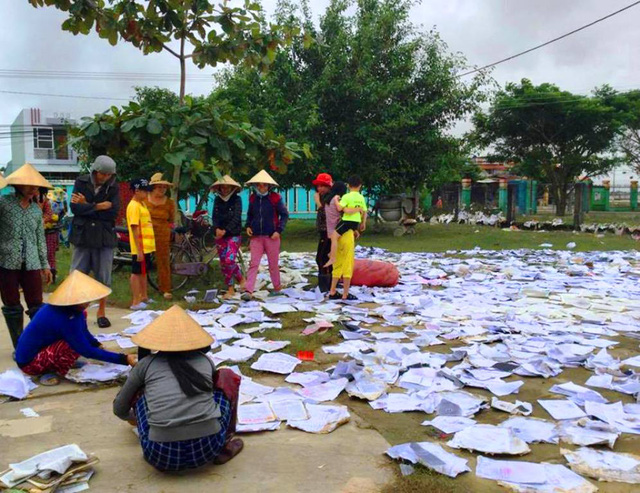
[459, 403]
[250, 390]
[531, 477]
[430, 455]
[58, 460]
[253, 428]
[322, 418]
[276, 363]
[366, 387]
[308, 378]
[262, 345]
[561, 409]
[277, 308]
[290, 410]
[489, 439]
[586, 432]
[603, 465]
[327, 391]
[98, 372]
[125, 343]
[235, 354]
[450, 424]
[15, 384]
[251, 414]
[532, 430]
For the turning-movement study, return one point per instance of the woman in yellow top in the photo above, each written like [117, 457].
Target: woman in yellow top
[142, 242]
[162, 210]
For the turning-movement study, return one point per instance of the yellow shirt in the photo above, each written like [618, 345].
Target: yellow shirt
[138, 215]
[353, 199]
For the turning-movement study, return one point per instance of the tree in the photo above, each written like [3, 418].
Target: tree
[215, 33]
[628, 104]
[202, 136]
[373, 96]
[552, 135]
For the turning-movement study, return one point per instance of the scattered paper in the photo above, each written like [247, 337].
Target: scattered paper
[603, 465]
[276, 363]
[15, 384]
[430, 455]
[489, 439]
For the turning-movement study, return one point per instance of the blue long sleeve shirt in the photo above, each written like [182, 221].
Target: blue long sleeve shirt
[55, 323]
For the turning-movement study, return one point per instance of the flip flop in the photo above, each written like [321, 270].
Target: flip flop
[335, 296]
[350, 297]
[49, 380]
[230, 450]
[104, 322]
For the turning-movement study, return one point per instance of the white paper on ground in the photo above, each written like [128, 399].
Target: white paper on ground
[58, 460]
[276, 363]
[490, 440]
[98, 372]
[518, 407]
[531, 477]
[291, 409]
[561, 409]
[125, 343]
[251, 414]
[586, 432]
[274, 425]
[322, 418]
[327, 391]
[277, 308]
[15, 384]
[235, 354]
[532, 430]
[450, 424]
[430, 455]
[366, 387]
[308, 378]
[603, 465]
[262, 345]
[29, 413]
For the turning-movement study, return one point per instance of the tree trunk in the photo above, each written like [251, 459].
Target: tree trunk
[202, 201]
[175, 193]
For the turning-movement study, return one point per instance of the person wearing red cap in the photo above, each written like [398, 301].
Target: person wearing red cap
[323, 183]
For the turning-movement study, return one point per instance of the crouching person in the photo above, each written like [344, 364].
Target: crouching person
[58, 334]
[183, 408]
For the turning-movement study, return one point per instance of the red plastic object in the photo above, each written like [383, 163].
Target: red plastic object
[374, 273]
[305, 355]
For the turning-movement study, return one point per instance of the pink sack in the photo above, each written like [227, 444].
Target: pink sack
[374, 273]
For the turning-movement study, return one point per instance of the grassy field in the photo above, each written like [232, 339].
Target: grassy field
[595, 217]
[301, 236]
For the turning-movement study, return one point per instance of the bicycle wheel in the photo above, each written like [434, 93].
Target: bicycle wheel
[209, 240]
[178, 255]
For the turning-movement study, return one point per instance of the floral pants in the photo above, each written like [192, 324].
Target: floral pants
[228, 250]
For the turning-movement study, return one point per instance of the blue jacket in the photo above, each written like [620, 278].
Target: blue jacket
[266, 215]
[55, 323]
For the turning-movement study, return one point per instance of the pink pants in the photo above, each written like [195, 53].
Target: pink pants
[258, 246]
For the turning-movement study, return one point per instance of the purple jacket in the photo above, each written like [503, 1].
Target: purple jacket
[266, 215]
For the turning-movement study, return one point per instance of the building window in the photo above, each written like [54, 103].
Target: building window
[43, 138]
[61, 146]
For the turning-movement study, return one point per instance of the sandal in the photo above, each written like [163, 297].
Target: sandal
[335, 296]
[230, 450]
[350, 297]
[49, 380]
[104, 322]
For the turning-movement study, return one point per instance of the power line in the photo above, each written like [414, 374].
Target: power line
[550, 41]
[63, 95]
[89, 75]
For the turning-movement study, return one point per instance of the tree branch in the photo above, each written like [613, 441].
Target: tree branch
[165, 47]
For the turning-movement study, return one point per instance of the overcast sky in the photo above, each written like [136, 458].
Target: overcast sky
[483, 30]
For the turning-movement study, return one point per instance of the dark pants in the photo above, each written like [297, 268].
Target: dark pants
[322, 257]
[29, 280]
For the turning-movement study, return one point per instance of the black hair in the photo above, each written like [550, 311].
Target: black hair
[338, 188]
[191, 381]
[354, 181]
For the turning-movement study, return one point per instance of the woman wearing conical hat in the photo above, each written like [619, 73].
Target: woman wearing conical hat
[183, 407]
[227, 221]
[58, 335]
[266, 218]
[162, 210]
[23, 249]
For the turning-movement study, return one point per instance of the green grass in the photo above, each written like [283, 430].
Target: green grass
[596, 217]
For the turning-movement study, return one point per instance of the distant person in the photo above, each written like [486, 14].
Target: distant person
[439, 203]
[95, 203]
[142, 242]
[55, 338]
[227, 224]
[323, 183]
[162, 210]
[184, 409]
[23, 250]
[353, 206]
[266, 219]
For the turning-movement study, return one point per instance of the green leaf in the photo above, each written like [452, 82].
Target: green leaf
[154, 126]
[198, 141]
[127, 126]
[92, 130]
[175, 159]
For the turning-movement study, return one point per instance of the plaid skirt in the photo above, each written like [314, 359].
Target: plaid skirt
[184, 454]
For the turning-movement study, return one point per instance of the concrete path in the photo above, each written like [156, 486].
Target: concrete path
[349, 460]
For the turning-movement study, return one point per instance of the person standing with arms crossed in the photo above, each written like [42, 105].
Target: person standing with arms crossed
[95, 203]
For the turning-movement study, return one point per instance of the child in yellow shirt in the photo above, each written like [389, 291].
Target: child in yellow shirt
[142, 241]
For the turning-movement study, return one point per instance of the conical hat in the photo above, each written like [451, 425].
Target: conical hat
[173, 331]
[3, 182]
[78, 288]
[226, 180]
[156, 179]
[262, 177]
[28, 175]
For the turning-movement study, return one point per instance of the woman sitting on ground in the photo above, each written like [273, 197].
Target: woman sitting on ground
[58, 334]
[183, 408]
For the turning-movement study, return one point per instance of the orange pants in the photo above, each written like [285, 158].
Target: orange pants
[163, 251]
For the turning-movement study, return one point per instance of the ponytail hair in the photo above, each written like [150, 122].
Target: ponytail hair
[191, 381]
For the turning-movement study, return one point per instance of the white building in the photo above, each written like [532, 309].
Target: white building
[42, 140]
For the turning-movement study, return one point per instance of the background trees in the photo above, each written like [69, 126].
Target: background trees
[553, 135]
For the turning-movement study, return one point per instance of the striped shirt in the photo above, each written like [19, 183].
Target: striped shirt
[138, 215]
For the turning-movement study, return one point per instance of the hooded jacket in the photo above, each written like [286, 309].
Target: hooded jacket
[91, 228]
[228, 215]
